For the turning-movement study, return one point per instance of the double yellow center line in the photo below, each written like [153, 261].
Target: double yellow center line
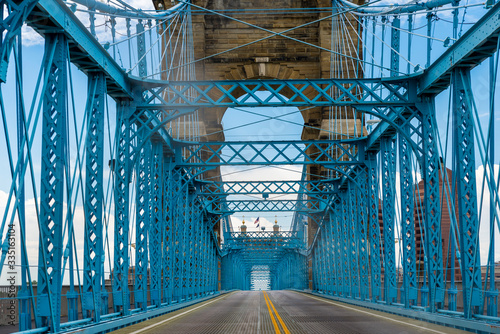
[271, 309]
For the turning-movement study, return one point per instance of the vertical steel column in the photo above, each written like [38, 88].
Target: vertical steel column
[345, 244]
[201, 251]
[395, 42]
[362, 217]
[189, 239]
[54, 150]
[353, 240]
[24, 294]
[317, 265]
[374, 225]
[322, 266]
[186, 218]
[93, 202]
[142, 218]
[167, 231]
[177, 236]
[388, 162]
[204, 253]
[432, 219]
[340, 249]
[196, 261]
[463, 135]
[121, 295]
[329, 254]
[157, 223]
[314, 266]
[334, 253]
[407, 221]
[141, 50]
[223, 272]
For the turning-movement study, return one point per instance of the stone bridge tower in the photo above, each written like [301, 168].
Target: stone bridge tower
[276, 57]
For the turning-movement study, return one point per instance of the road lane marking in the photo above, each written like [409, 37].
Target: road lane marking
[176, 316]
[275, 324]
[278, 316]
[377, 315]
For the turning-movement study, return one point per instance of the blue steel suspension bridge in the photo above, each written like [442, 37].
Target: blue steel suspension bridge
[123, 171]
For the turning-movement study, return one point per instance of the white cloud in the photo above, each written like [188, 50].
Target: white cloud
[31, 37]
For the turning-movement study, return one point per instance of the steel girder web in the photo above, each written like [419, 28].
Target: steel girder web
[327, 153]
[230, 206]
[362, 232]
[410, 287]
[235, 273]
[464, 164]
[157, 223]
[388, 162]
[399, 92]
[342, 242]
[278, 187]
[93, 284]
[121, 299]
[432, 214]
[142, 221]
[54, 148]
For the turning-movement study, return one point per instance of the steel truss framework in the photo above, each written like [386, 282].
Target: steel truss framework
[177, 254]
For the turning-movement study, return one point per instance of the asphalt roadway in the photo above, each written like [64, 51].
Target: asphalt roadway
[284, 312]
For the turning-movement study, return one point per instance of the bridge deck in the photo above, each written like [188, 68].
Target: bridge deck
[250, 312]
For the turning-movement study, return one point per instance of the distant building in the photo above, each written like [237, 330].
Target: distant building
[419, 211]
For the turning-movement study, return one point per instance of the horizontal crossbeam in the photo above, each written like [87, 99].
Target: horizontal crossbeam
[307, 92]
[224, 207]
[265, 187]
[320, 152]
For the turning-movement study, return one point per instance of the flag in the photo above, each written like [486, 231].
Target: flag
[258, 225]
[256, 221]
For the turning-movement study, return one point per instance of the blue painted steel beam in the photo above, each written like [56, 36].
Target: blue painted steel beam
[395, 120]
[306, 92]
[230, 206]
[408, 226]
[93, 205]
[169, 202]
[121, 294]
[477, 44]
[154, 123]
[266, 187]
[322, 152]
[54, 150]
[157, 223]
[465, 167]
[432, 213]
[84, 50]
[374, 225]
[388, 167]
[344, 242]
[142, 219]
[363, 243]
[353, 240]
